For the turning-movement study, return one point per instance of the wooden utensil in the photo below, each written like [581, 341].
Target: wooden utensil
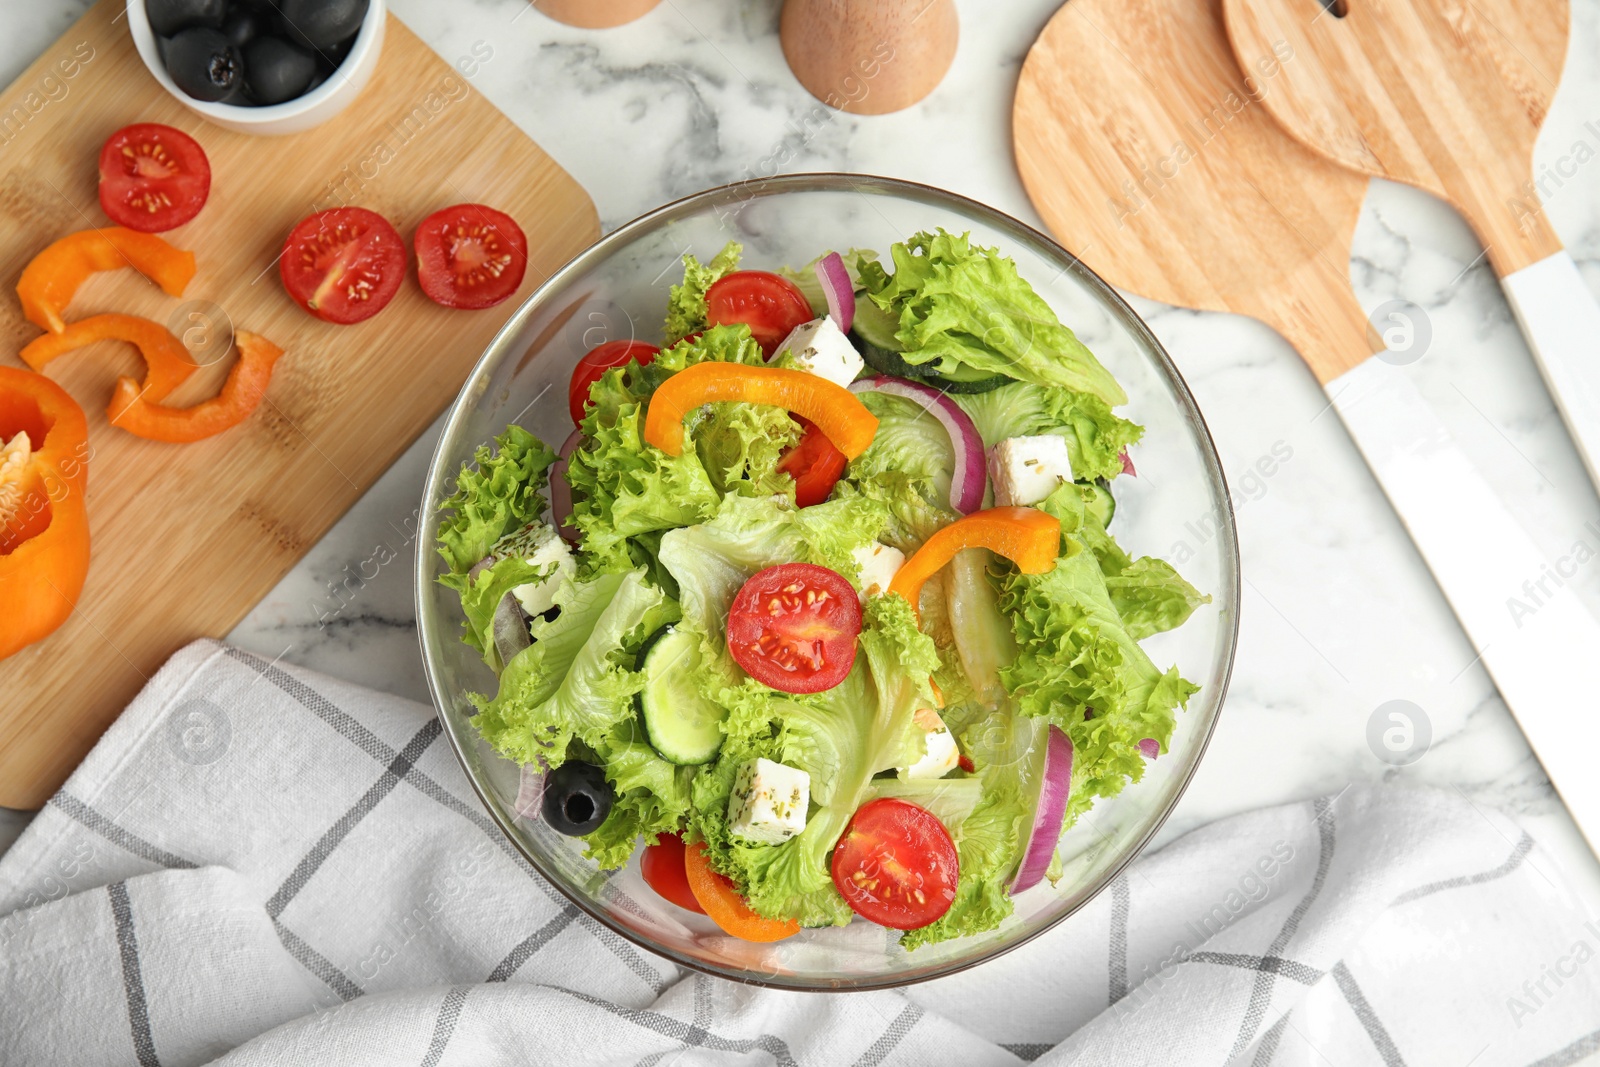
[187, 538]
[595, 14]
[1177, 186]
[1447, 95]
[869, 57]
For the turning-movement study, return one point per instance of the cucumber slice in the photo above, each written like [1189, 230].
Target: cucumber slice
[873, 332]
[681, 724]
[1101, 504]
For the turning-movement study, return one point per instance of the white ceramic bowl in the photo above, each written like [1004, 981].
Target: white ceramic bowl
[291, 116]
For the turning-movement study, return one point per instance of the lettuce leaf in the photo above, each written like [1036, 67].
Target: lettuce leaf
[651, 797]
[1095, 436]
[1081, 667]
[906, 470]
[576, 681]
[965, 306]
[499, 493]
[625, 490]
[841, 737]
[686, 303]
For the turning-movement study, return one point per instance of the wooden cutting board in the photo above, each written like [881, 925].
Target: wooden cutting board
[187, 538]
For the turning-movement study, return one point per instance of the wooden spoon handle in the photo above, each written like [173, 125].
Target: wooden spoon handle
[1561, 321]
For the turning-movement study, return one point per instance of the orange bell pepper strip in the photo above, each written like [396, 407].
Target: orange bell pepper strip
[836, 410]
[724, 904]
[133, 409]
[168, 364]
[44, 526]
[53, 276]
[1028, 537]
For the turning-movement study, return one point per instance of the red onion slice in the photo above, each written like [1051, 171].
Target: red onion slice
[839, 290]
[1150, 747]
[968, 477]
[561, 489]
[1054, 786]
[1127, 464]
[530, 790]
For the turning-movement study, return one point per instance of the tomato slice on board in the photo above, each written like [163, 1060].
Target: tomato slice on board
[343, 265]
[813, 463]
[896, 864]
[725, 906]
[663, 870]
[596, 362]
[769, 304]
[470, 256]
[794, 627]
[153, 177]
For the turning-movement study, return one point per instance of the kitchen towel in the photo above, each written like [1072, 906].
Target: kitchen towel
[260, 865]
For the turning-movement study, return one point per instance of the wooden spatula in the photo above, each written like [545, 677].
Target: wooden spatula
[1446, 95]
[1138, 142]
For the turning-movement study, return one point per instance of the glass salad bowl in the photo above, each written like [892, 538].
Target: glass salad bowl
[1176, 508]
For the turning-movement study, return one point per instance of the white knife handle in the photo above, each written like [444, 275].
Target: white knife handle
[1561, 321]
[1536, 639]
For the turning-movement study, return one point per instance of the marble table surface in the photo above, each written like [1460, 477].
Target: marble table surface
[1339, 615]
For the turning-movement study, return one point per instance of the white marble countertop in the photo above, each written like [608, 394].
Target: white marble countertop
[1339, 614]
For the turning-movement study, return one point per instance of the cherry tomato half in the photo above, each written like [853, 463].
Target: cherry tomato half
[153, 177]
[896, 864]
[725, 906]
[343, 265]
[813, 463]
[663, 870]
[470, 256]
[769, 304]
[596, 362]
[794, 627]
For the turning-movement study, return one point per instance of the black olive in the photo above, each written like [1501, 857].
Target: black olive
[167, 17]
[320, 25]
[577, 798]
[205, 64]
[244, 24]
[278, 71]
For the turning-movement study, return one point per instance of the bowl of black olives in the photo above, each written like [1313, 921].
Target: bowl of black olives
[260, 66]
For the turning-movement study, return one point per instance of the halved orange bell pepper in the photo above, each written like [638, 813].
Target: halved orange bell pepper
[168, 364]
[50, 279]
[725, 906]
[1028, 537]
[44, 526]
[135, 410]
[836, 410]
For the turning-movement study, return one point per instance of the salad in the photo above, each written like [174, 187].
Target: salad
[818, 605]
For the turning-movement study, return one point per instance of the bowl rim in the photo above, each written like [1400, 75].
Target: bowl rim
[819, 181]
[144, 42]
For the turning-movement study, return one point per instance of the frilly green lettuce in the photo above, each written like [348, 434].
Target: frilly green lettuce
[965, 306]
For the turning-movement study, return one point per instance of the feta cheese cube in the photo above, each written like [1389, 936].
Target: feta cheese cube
[878, 563]
[1025, 470]
[941, 755]
[542, 547]
[768, 804]
[819, 347]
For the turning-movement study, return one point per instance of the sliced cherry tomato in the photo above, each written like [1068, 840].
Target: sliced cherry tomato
[813, 463]
[343, 265]
[794, 627]
[153, 177]
[663, 870]
[596, 362]
[769, 304]
[722, 902]
[470, 256]
[896, 864]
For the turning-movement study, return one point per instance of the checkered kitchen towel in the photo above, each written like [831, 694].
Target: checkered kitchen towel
[265, 866]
